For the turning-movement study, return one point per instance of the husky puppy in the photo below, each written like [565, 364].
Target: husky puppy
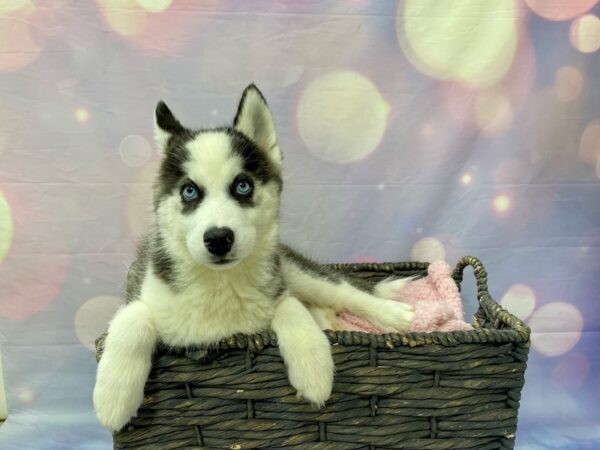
[212, 266]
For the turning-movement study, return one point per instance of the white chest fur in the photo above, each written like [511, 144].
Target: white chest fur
[206, 311]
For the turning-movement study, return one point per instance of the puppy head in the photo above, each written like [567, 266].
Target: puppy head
[217, 193]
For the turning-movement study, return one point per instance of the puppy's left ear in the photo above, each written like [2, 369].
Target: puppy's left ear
[254, 119]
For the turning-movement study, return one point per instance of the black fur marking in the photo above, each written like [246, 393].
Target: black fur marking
[171, 171]
[255, 159]
[137, 270]
[176, 155]
[323, 271]
[308, 265]
[244, 200]
[189, 206]
[166, 120]
[278, 281]
[275, 285]
[150, 250]
[162, 262]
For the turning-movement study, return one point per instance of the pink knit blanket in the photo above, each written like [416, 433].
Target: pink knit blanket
[436, 299]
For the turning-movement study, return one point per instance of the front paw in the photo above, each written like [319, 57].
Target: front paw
[116, 402]
[311, 369]
[391, 316]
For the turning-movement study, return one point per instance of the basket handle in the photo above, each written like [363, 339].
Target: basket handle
[479, 272]
[489, 310]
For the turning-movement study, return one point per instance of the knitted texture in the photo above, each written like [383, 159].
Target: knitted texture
[436, 299]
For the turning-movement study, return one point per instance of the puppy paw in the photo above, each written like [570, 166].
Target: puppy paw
[391, 316]
[311, 369]
[116, 401]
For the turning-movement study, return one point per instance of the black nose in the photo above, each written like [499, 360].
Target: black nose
[218, 241]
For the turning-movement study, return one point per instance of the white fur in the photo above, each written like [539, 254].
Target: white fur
[125, 365]
[215, 306]
[305, 350]
[256, 121]
[388, 288]
[387, 315]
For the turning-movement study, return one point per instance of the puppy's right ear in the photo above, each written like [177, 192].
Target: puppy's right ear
[165, 125]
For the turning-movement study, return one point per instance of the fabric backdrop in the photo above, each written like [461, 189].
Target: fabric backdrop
[412, 130]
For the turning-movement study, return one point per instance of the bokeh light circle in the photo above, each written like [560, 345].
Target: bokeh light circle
[560, 9]
[34, 270]
[135, 150]
[493, 112]
[494, 108]
[92, 317]
[467, 40]
[6, 227]
[25, 395]
[14, 5]
[589, 144]
[428, 249]
[502, 203]
[82, 115]
[585, 33]
[125, 17]
[342, 116]
[466, 179]
[556, 328]
[568, 83]
[572, 370]
[519, 300]
[154, 5]
[151, 24]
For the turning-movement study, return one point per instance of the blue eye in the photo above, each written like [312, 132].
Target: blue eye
[189, 193]
[243, 187]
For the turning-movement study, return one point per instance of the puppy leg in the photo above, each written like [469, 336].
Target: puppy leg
[387, 315]
[125, 365]
[390, 287]
[305, 350]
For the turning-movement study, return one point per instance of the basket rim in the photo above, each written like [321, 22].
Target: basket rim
[261, 340]
[515, 331]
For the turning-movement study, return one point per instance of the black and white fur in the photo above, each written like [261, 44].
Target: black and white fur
[186, 291]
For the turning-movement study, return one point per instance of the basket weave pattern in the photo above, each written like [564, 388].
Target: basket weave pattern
[417, 391]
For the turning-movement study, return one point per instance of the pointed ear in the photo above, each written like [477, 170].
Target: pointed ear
[165, 125]
[254, 119]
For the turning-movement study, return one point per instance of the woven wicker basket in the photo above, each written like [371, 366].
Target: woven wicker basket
[417, 391]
